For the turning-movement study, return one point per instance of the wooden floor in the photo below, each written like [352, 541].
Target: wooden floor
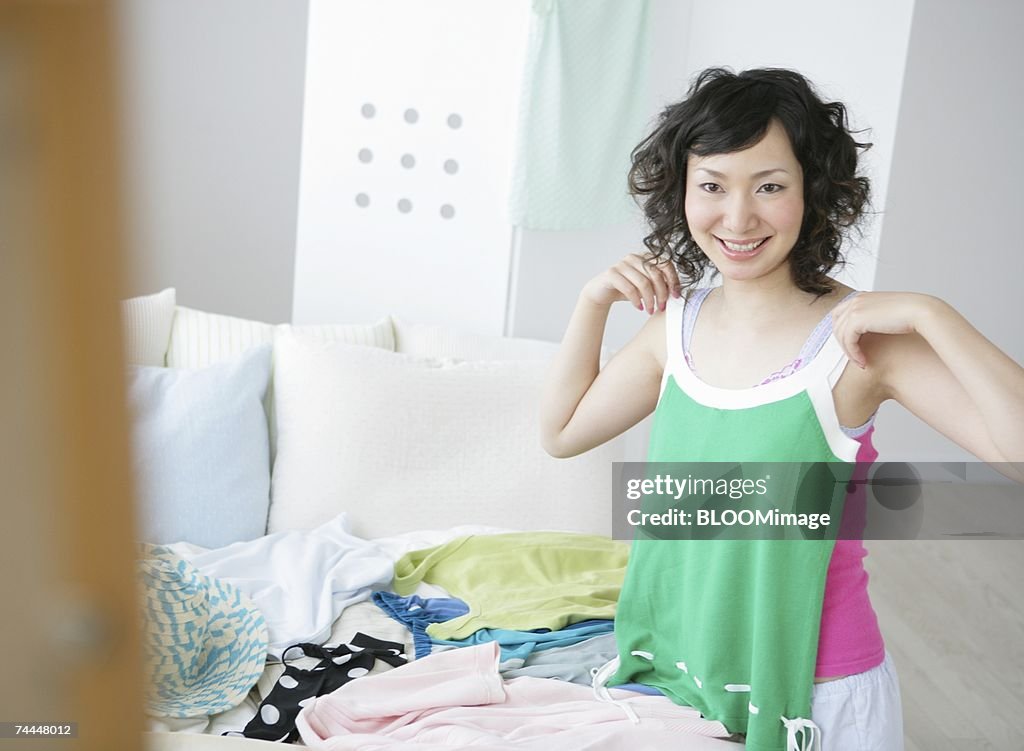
[952, 615]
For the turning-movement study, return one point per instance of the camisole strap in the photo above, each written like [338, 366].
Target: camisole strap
[820, 334]
[693, 304]
[675, 310]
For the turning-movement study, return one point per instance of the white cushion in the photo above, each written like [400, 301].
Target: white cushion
[146, 323]
[201, 451]
[436, 341]
[423, 340]
[405, 443]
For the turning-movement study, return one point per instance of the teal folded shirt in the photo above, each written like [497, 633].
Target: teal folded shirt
[518, 645]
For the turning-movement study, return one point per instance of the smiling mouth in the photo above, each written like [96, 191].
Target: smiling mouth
[742, 247]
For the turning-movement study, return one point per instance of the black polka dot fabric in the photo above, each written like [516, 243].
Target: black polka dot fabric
[275, 720]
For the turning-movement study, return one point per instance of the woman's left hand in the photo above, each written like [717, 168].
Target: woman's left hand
[879, 313]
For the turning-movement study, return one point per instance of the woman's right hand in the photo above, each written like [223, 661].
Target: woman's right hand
[647, 285]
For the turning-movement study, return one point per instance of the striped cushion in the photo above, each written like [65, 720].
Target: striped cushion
[380, 335]
[199, 339]
[146, 322]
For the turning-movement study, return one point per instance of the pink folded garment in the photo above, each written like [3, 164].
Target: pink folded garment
[457, 698]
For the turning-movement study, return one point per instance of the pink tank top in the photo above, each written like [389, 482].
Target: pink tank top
[849, 640]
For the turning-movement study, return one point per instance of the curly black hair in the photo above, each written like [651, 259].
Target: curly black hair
[725, 112]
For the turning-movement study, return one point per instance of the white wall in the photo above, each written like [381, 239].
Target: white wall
[212, 123]
[952, 226]
[360, 256]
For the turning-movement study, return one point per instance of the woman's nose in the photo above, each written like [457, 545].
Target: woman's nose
[739, 216]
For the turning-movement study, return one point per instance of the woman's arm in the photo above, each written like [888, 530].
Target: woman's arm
[583, 405]
[943, 370]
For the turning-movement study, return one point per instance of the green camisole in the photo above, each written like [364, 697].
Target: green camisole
[730, 626]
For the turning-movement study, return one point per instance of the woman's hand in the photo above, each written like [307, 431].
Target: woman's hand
[880, 313]
[635, 278]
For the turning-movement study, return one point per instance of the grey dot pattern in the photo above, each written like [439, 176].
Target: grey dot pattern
[408, 161]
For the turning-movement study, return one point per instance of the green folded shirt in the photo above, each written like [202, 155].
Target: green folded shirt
[519, 580]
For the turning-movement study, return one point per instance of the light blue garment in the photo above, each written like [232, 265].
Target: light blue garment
[517, 645]
[202, 450]
[583, 108]
[416, 614]
[573, 663]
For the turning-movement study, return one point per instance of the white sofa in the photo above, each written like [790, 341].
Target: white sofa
[404, 426]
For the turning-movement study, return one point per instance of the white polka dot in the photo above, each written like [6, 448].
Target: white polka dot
[288, 682]
[341, 660]
[269, 714]
[404, 656]
[354, 648]
[333, 645]
[356, 672]
[307, 702]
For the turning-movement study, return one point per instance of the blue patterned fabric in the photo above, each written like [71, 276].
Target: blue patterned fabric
[205, 643]
[416, 614]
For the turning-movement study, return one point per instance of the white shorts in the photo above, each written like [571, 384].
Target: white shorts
[861, 712]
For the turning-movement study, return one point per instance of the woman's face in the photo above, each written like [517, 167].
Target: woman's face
[744, 209]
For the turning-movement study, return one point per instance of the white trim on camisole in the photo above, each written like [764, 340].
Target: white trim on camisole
[817, 378]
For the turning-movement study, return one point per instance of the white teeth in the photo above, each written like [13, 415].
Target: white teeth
[742, 248]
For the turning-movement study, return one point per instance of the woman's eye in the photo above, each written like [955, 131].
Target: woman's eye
[771, 188]
[711, 187]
